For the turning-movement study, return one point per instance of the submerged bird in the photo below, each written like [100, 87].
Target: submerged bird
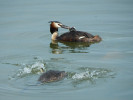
[51, 76]
[73, 35]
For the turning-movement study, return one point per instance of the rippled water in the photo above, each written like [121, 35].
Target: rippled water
[97, 71]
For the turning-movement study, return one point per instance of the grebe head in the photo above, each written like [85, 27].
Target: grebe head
[55, 25]
[72, 29]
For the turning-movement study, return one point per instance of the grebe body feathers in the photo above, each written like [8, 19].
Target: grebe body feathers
[73, 35]
[51, 76]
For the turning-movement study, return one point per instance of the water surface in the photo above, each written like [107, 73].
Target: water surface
[98, 71]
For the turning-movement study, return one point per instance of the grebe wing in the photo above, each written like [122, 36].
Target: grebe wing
[76, 34]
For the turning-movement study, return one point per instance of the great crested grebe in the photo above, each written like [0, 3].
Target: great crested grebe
[51, 76]
[73, 35]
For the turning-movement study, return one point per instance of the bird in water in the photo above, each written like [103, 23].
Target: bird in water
[73, 35]
[51, 76]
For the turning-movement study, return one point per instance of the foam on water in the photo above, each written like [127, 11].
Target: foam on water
[27, 69]
[92, 74]
[34, 68]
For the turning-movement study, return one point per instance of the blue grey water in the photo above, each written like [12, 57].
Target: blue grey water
[101, 71]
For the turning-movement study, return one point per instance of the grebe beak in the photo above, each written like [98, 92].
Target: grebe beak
[64, 26]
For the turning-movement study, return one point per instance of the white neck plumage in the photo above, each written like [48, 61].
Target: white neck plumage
[54, 35]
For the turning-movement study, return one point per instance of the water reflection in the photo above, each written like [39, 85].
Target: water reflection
[71, 47]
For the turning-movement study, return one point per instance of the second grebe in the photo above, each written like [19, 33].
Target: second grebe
[73, 35]
[51, 76]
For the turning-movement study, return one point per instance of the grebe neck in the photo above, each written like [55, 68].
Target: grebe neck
[54, 32]
[54, 36]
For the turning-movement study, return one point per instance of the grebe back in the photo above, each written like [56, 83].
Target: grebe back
[51, 76]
